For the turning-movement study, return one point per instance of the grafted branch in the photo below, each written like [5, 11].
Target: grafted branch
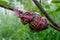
[55, 26]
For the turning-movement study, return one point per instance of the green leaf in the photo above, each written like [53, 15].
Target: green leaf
[56, 1]
[3, 2]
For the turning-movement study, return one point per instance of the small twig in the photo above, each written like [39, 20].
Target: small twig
[28, 5]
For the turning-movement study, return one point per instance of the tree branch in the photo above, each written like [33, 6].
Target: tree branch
[6, 7]
[55, 26]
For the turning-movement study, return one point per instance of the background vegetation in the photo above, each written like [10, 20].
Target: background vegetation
[11, 27]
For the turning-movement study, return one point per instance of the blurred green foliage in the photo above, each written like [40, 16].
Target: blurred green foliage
[11, 27]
